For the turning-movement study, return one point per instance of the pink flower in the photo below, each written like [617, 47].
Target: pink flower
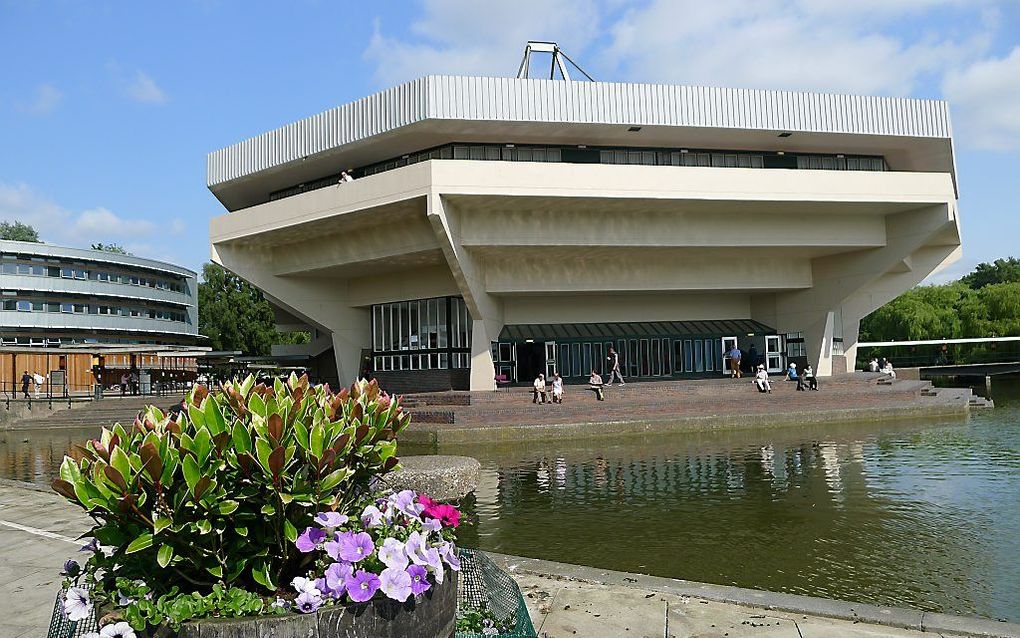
[448, 515]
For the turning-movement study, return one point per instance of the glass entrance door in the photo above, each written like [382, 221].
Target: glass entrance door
[550, 359]
[728, 343]
[773, 353]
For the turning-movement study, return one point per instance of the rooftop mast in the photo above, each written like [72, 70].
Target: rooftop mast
[558, 56]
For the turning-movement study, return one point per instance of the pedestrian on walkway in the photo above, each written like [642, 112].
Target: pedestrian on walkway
[39, 380]
[734, 355]
[26, 379]
[613, 360]
[540, 391]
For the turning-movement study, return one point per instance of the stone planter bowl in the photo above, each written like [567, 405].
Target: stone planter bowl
[433, 615]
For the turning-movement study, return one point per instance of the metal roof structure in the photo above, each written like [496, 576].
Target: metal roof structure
[565, 331]
[572, 103]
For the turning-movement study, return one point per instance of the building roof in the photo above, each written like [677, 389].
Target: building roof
[531, 110]
[588, 331]
[97, 256]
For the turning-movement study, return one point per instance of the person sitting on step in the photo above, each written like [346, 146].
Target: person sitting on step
[761, 380]
[595, 385]
[540, 391]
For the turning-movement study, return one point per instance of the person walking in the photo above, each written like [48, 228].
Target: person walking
[614, 367]
[26, 379]
[39, 380]
[125, 379]
[734, 355]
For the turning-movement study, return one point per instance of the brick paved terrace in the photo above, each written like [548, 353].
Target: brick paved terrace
[451, 417]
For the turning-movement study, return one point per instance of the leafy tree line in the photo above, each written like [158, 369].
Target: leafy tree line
[17, 231]
[983, 303]
[236, 316]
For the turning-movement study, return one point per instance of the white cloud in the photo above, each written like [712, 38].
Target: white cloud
[62, 226]
[466, 37]
[784, 44]
[143, 88]
[985, 102]
[45, 100]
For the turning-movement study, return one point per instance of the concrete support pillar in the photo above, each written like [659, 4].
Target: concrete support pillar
[818, 341]
[352, 333]
[851, 335]
[483, 369]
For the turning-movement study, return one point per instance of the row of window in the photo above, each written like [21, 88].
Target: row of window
[9, 267]
[432, 361]
[601, 155]
[422, 324]
[55, 342]
[26, 305]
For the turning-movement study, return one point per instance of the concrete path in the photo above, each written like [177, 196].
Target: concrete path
[38, 532]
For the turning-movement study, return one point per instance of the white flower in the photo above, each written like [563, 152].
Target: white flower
[371, 516]
[77, 604]
[393, 554]
[123, 600]
[117, 630]
[302, 585]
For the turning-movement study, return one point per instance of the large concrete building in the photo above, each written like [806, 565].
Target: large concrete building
[501, 227]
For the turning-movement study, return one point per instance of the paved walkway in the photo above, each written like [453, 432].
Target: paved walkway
[38, 531]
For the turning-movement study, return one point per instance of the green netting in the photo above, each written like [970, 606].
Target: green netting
[483, 585]
[61, 627]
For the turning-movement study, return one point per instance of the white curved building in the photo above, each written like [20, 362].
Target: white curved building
[52, 296]
[500, 227]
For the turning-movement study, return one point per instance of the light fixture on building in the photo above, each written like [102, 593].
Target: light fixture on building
[634, 129]
[582, 146]
[780, 152]
[509, 145]
[750, 334]
[785, 134]
[529, 341]
[684, 150]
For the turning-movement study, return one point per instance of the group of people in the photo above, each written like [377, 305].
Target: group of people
[595, 382]
[35, 379]
[806, 379]
[882, 365]
[739, 360]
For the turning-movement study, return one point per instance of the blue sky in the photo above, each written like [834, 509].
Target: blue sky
[107, 109]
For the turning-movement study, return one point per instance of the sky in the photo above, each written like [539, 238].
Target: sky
[108, 109]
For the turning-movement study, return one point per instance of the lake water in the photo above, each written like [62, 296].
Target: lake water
[923, 515]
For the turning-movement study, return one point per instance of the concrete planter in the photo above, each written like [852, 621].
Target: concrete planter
[434, 615]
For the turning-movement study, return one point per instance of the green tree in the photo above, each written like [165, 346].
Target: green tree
[17, 231]
[998, 272]
[110, 248]
[236, 316]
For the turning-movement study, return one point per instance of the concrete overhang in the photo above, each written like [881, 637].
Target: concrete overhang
[913, 135]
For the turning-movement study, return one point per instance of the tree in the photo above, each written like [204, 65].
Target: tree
[110, 248]
[236, 316]
[17, 231]
[1000, 271]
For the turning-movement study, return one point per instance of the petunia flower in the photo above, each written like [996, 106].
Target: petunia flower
[117, 630]
[448, 552]
[302, 585]
[419, 579]
[91, 546]
[362, 586]
[448, 515]
[71, 568]
[425, 501]
[404, 502]
[307, 602]
[356, 547]
[332, 547]
[371, 516]
[395, 583]
[337, 575]
[279, 603]
[393, 554]
[77, 604]
[330, 519]
[431, 524]
[310, 539]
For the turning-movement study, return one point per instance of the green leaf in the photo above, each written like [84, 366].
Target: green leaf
[227, 507]
[143, 541]
[260, 573]
[289, 531]
[301, 434]
[203, 445]
[196, 415]
[160, 524]
[204, 526]
[268, 509]
[191, 472]
[69, 470]
[257, 405]
[334, 478]
[120, 461]
[241, 531]
[262, 450]
[241, 438]
[316, 440]
[213, 417]
[164, 555]
[215, 571]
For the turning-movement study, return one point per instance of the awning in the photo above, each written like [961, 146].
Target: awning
[595, 331]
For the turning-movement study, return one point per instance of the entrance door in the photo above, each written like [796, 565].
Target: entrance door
[774, 353]
[550, 359]
[530, 361]
[728, 343]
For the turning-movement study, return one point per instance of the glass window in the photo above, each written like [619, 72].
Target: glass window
[24, 306]
[656, 358]
[586, 363]
[632, 357]
[575, 359]
[699, 355]
[688, 355]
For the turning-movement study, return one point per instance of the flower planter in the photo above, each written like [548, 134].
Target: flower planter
[432, 615]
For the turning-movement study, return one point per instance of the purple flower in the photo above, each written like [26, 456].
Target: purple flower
[419, 579]
[337, 575]
[431, 524]
[395, 583]
[371, 516]
[309, 539]
[91, 546]
[392, 554]
[71, 568]
[77, 605]
[117, 630]
[330, 519]
[362, 586]
[449, 553]
[356, 547]
[332, 547]
[307, 602]
[404, 502]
